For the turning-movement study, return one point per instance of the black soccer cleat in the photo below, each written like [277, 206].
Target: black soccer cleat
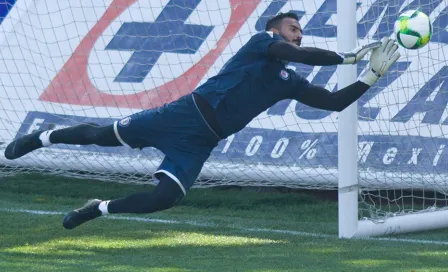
[77, 217]
[23, 145]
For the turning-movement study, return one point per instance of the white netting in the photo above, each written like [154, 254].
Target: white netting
[70, 62]
[408, 155]
[67, 62]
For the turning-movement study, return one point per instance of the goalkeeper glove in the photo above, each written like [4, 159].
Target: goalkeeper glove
[380, 61]
[358, 53]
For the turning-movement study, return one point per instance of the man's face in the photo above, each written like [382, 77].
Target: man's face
[291, 31]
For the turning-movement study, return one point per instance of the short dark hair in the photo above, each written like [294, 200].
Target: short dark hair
[275, 21]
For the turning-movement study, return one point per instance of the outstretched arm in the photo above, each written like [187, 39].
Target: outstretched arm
[315, 56]
[306, 55]
[380, 61]
[321, 98]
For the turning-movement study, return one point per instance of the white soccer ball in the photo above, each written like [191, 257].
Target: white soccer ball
[413, 29]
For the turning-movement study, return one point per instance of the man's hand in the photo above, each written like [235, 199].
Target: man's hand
[380, 61]
[358, 53]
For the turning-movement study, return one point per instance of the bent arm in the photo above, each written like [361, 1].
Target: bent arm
[321, 98]
[306, 55]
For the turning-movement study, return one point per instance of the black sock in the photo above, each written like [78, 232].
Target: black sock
[166, 194]
[85, 134]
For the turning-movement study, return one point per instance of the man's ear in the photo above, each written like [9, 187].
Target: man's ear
[274, 30]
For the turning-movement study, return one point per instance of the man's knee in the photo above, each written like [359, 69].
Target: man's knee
[169, 200]
[101, 135]
[168, 193]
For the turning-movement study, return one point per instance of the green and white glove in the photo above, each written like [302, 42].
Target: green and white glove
[358, 53]
[380, 61]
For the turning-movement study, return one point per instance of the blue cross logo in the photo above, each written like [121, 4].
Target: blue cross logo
[168, 33]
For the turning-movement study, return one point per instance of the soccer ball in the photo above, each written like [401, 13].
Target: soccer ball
[413, 29]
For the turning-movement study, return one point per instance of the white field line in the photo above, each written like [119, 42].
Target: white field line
[205, 224]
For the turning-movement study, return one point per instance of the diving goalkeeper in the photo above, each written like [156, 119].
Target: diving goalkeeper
[187, 130]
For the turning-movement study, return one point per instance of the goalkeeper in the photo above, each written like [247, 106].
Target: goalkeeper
[187, 130]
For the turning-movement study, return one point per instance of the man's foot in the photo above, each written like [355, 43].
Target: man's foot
[77, 217]
[23, 145]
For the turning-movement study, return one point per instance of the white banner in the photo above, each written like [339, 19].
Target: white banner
[66, 62]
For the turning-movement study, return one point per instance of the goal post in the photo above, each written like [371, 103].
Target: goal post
[347, 126]
[351, 224]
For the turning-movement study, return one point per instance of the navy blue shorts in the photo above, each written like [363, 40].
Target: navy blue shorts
[179, 131]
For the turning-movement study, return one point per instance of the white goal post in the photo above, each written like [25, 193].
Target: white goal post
[350, 225]
[63, 63]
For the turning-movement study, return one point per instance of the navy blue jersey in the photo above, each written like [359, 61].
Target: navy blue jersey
[249, 83]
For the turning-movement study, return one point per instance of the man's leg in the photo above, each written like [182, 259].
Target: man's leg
[84, 134]
[166, 194]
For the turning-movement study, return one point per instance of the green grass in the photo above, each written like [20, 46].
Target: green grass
[214, 230]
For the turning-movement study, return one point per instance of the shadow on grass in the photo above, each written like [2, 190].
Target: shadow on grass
[227, 200]
[39, 243]
[36, 243]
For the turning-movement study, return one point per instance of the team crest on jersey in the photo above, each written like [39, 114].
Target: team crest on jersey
[284, 74]
[125, 122]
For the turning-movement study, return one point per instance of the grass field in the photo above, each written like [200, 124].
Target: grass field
[211, 230]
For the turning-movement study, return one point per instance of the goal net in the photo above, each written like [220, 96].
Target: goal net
[402, 129]
[64, 63]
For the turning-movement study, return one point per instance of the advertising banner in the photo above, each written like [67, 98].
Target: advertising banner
[68, 62]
